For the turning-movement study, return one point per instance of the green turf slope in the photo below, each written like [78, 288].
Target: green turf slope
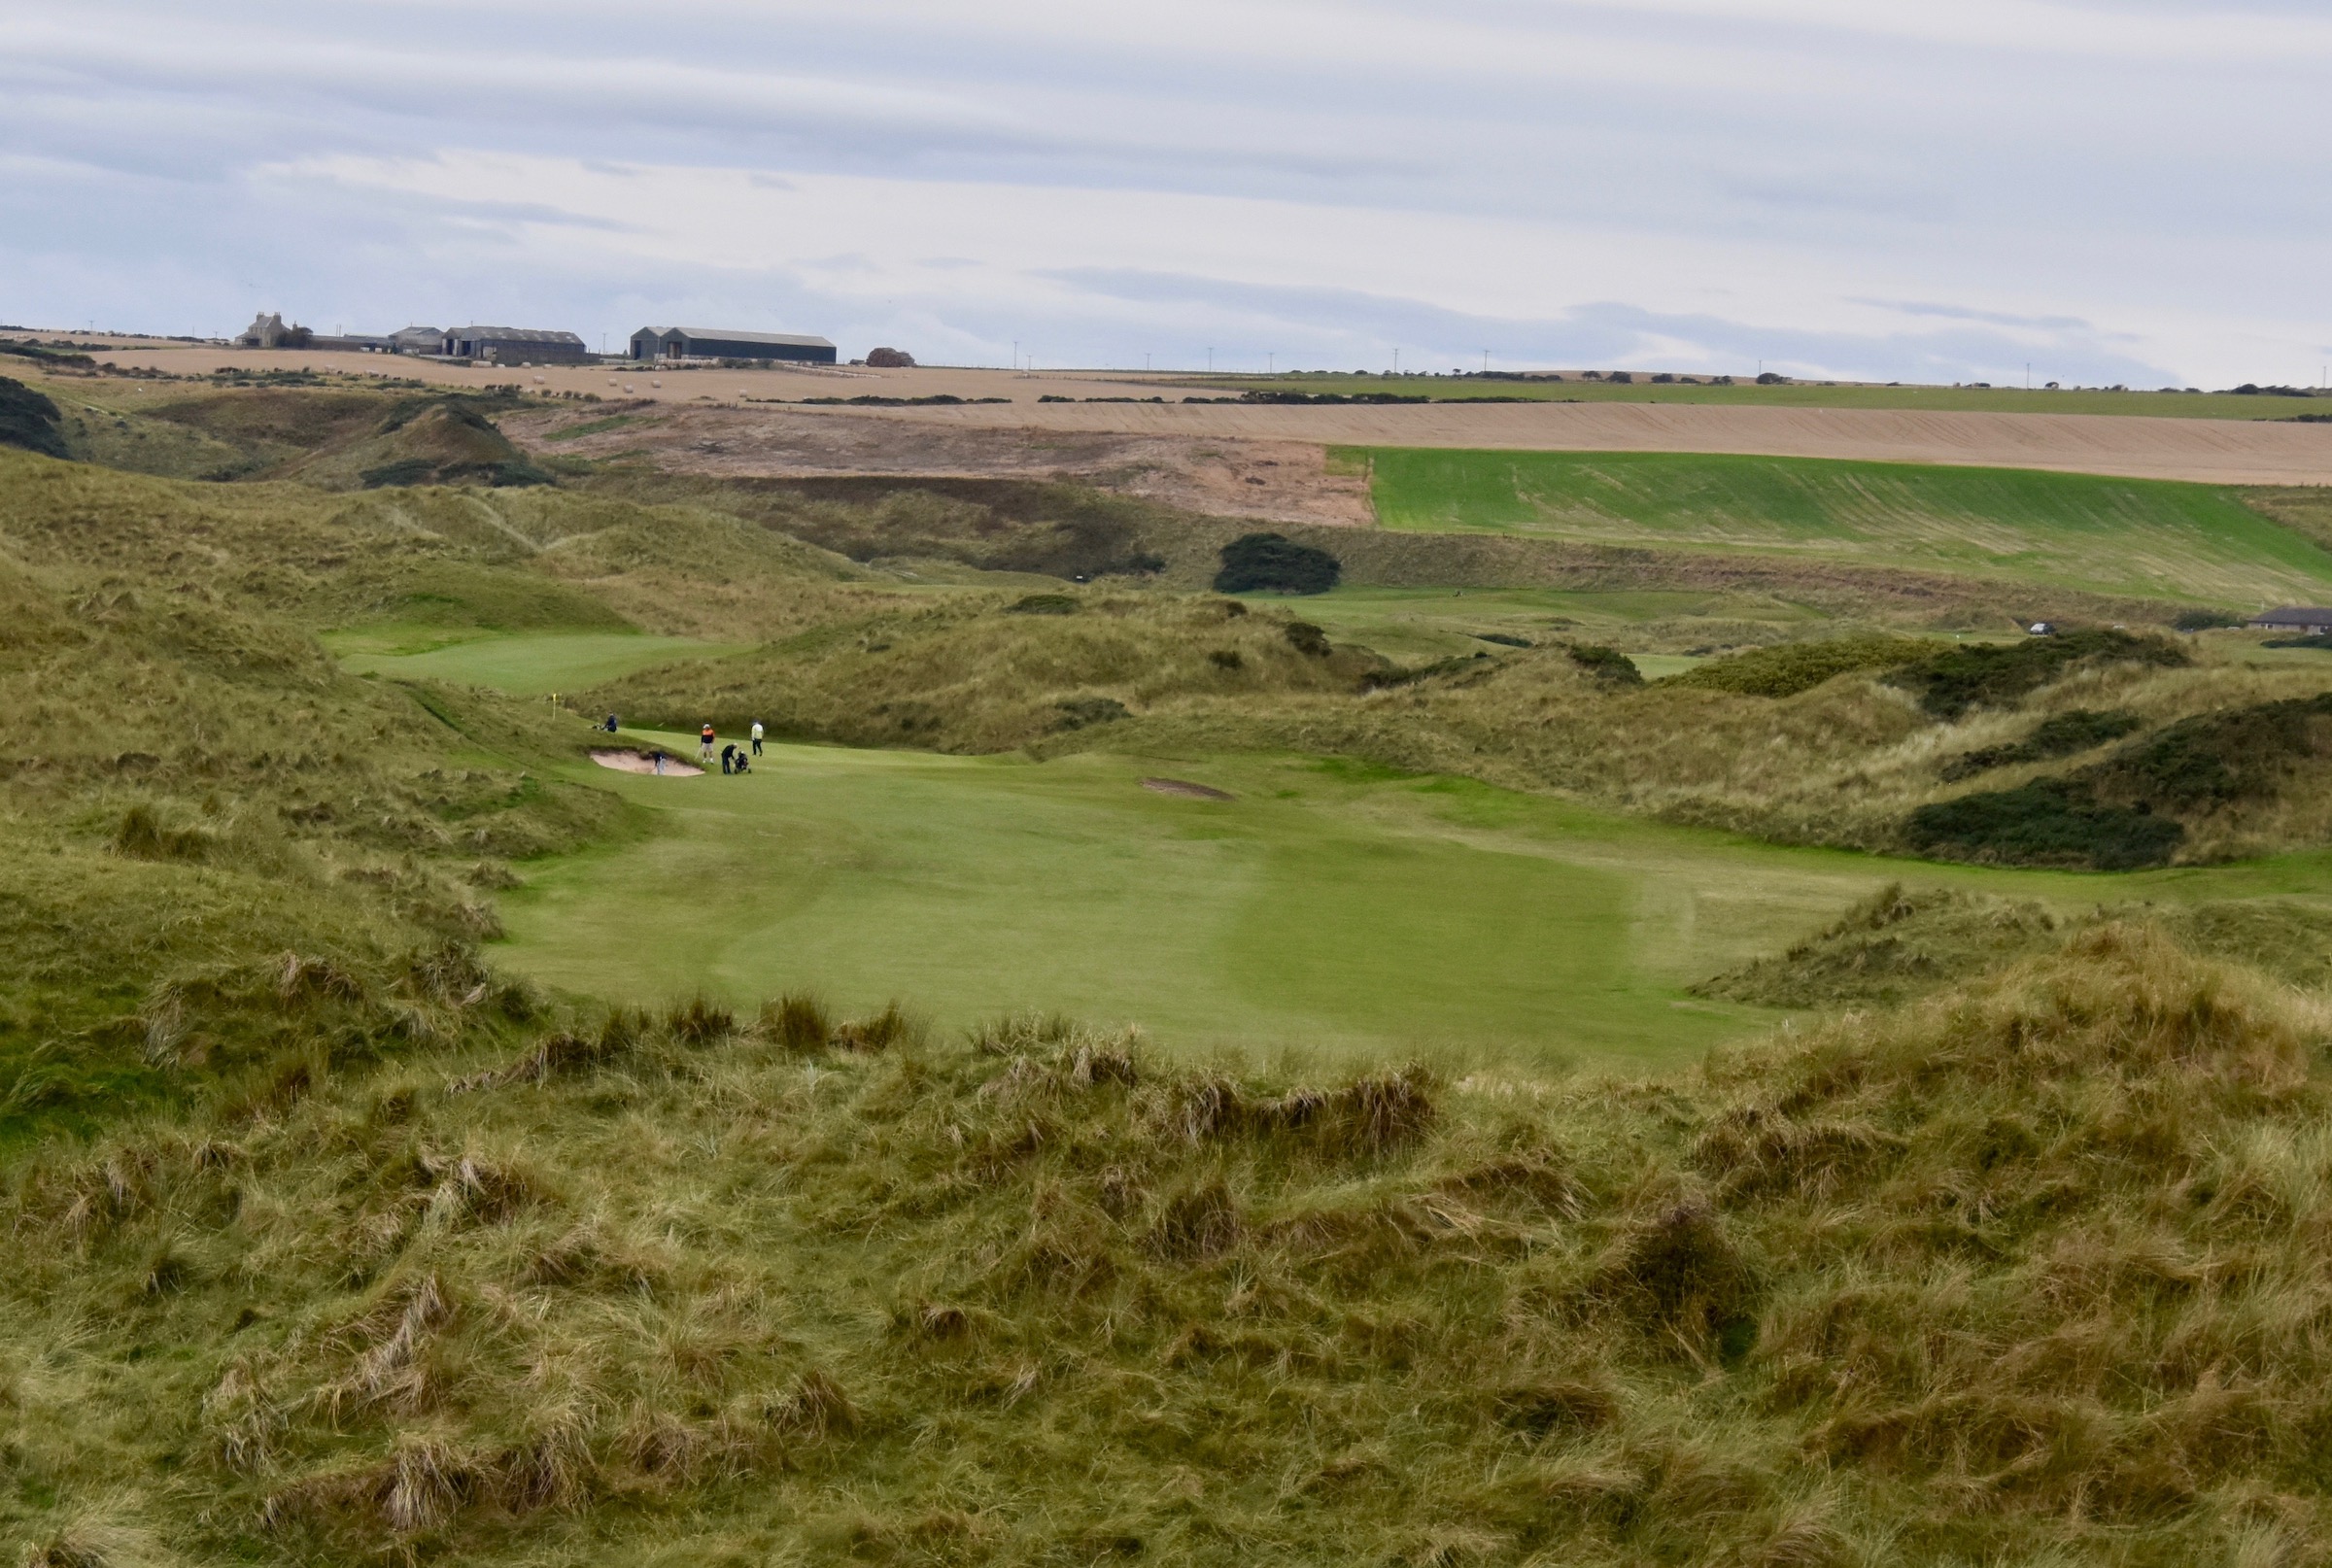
[526, 664]
[2149, 538]
[1329, 906]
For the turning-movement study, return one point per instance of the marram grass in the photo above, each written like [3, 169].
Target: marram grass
[2029, 1272]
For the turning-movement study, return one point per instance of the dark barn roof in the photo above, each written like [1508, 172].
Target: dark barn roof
[514, 335]
[788, 339]
[2294, 615]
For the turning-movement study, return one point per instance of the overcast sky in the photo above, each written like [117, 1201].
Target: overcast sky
[2117, 192]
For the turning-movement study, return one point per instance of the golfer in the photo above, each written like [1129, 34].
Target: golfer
[704, 751]
[756, 737]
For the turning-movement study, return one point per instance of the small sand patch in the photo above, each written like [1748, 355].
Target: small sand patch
[1183, 787]
[639, 761]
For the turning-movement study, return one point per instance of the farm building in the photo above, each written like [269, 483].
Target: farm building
[269, 331]
[2307, 618]
[707, 343]
[417, 340]
[513, 344]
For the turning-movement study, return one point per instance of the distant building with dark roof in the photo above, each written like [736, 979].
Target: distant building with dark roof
[709, 343]
[513, 344]
[418, 340]
[2310, 620]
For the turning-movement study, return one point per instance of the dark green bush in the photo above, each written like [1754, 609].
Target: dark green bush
[1791, 667]
[2049, 822]
[2061, 737]
[1043, 604]
[1608, 665]
[2216, 759]
[29, 420]
[1274, 564]
[1308, 639]
[1989, 675]
[2204, 620]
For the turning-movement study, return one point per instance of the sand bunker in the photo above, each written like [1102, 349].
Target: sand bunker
[1183, 787]
[639, 761]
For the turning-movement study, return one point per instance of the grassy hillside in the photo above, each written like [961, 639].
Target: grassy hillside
[1068, 530]
[2026, 1273]
[327, 1241]
[2140, 537]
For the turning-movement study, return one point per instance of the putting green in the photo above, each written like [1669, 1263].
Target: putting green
[527, 663]
[1328, 907]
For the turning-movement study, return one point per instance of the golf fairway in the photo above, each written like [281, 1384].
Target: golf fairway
[1327, 909]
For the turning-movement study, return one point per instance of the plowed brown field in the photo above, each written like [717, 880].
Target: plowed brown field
[2219, 451]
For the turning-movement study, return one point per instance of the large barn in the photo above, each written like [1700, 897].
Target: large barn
[710, 343]
[2310, 620]
[513, 344]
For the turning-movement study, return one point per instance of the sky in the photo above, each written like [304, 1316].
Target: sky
[2115, 191]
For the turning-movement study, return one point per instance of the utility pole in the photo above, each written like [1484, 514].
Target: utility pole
[1397, 362]
[1210, 362]
[1486, 361]
[2027, 375]
[1271, 364]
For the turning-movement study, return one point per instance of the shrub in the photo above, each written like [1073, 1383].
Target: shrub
[1308, 639]
[890, 359]
[1043, 604]
[2066, 734]
[2213, 759]
[29, 420]
[1608, 665]
[2204, 620]
[1950, 683]
[1274, 564]
[2049, 822]
[1080, 712]
[1791, 667]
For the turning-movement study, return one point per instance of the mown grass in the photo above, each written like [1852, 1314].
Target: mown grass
[522, 662]
[2026, 1273]
[1306, 911]
[2149, 538]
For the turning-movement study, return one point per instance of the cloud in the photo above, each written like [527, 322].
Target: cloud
[1871, 187]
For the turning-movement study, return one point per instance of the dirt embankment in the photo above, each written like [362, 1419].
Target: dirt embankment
[1283, 481]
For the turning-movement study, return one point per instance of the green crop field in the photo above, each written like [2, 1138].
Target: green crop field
[1745, 393]
[2150, 537]
[527, 664]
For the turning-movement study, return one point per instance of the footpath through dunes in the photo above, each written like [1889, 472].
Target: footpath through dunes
[800, 441]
